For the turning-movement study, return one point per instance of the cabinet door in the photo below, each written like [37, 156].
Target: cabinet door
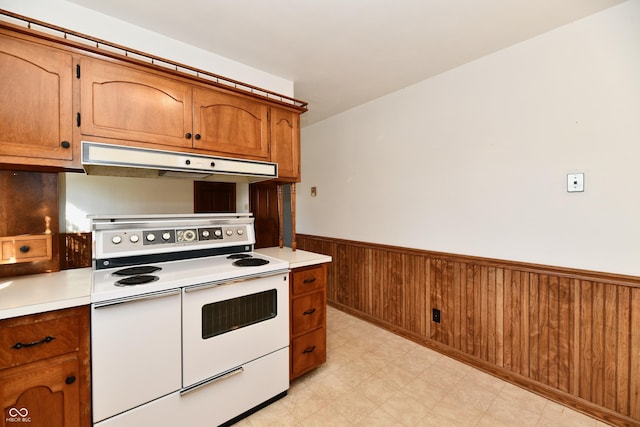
[36, 113]
[230, 125]
[285, 143]
[119, 102]
[42, 394]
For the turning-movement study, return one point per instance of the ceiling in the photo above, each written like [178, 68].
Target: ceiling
[343, 53]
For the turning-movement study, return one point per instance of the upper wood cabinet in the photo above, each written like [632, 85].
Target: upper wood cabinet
[120, 102]
[285, 143]
[36, 112]
[124, 103]
[57, 94]
[230, 124]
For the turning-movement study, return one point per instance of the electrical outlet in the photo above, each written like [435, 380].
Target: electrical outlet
[435, 315]
[575, 182]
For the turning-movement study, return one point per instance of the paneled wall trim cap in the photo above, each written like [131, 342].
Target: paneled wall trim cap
[603, 277]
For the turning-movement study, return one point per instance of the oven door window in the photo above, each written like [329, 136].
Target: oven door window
[232, 314]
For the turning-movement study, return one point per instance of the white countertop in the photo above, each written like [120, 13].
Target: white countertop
[297, 258]
[37, 293]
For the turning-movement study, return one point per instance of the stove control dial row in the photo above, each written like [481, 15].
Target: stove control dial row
[212, 233]
[117, 239]
[188, 235]
[157, 237]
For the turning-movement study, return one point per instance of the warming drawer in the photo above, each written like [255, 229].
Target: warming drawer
[214, 402]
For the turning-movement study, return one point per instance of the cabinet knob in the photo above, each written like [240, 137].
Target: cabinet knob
[70, 379]
[313, 279]
[187, 135]
[309, 349]
[65, 144]
[308, 312]
[24, 249]
[197, 136]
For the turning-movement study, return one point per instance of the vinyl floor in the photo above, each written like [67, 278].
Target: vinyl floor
[375, 378]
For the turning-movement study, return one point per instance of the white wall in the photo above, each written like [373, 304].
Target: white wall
[474, 161]
[81, 195]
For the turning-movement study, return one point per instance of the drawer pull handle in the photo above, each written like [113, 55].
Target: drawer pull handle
[313, 279]
[24, 249]
[45, 340]
[306, 313]
[309, 349]
[70, 379]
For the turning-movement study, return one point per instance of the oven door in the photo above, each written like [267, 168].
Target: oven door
[135, 353]
[229, 324]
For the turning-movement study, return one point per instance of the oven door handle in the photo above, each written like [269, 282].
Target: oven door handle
[208, 285]
[136, 298]
[206, 382]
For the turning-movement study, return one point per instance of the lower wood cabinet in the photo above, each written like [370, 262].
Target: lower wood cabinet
[308, 330]
[44, 369]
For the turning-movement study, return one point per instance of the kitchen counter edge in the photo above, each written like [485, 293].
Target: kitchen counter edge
[297, 258]
[38, 293]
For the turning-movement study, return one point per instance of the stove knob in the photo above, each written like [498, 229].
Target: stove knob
[134, 238]
[229, 232]
[205, 233]
[151, 237]
[166, 236]
[240, 231]
[218, 233]
[116, 240]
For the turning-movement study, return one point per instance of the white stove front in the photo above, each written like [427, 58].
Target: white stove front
[178, 274]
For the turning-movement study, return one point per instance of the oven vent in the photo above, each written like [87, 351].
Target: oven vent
[233, 314]
[119, 160]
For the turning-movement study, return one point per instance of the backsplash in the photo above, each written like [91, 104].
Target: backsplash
[28, 207]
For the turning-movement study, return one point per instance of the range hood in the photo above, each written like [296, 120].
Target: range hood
[120, 160]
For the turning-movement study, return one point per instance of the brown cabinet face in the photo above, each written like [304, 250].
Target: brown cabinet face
[307, 313]
[44, 369]
[36, 113]
[25, 249]
[230, 125]
[120, 102]
[308, 351]
[308, 347]
[32, 341]
[38, 395]
[309, 279]
[285, 143]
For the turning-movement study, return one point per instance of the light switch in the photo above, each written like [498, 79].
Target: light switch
[575, 182]
[314, 191]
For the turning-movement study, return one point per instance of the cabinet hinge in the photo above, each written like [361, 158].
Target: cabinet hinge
[78, 119]
[77, 71]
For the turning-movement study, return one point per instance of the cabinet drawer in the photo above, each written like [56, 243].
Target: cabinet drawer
[307, 312]
[25, 248]
[308, 279]
[31, 338]
[308, 351]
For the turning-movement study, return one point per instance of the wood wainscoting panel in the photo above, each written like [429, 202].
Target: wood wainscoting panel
[563, 333]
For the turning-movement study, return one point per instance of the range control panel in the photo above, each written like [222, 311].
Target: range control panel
[134, 242]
